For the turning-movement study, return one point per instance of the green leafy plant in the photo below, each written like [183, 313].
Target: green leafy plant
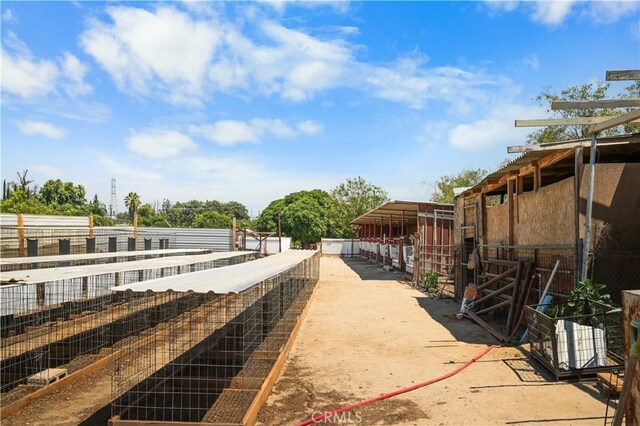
[586, 289]
[431, 281]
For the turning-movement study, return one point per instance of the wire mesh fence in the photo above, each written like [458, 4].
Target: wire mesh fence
[210, 356]
[64, 323]
[47, 241]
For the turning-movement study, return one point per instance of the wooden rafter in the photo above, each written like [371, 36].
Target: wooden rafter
[602, 103]
[623, 75]
[561, 121]
[616, 121]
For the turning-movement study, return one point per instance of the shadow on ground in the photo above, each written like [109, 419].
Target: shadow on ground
[368, 270]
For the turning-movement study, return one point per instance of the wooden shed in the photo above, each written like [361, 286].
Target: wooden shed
[413, 236]
[534, 208]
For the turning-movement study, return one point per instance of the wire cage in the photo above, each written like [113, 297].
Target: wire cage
[209, 355]
[66, 323]
[574, 340]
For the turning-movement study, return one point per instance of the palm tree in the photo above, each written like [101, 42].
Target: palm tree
[132, 202]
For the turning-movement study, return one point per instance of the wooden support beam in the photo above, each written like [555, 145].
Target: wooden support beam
[616, 121]
[510, 210]
[602, 103]
[560, 121]
[623, 75]
[519, 149]
[537, 176]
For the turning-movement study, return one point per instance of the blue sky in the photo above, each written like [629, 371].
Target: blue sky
[251, 101]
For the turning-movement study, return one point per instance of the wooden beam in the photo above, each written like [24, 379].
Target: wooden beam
[623, 75]
[510, 210]
[518, 149]
[537, 176]
[560, 121]
[602, 103]
[616, 121]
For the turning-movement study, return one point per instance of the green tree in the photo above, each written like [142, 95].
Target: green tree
[213, 219]
[19, 201]
[147, 216]
[236, 209]
[132, 202]
[58, 192]
[306, 216]
[354, 198]
[443, 191]
[584, 92]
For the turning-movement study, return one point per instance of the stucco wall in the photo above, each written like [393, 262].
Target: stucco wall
[546, 216]
[497, 224]
[616, 201]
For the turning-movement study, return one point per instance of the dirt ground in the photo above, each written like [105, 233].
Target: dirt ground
[367, 333]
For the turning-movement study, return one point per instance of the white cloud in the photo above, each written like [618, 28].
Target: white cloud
[145, 51]
[555, 12]
[41, 128]
[310, 127]
[609, 12]
[28, 77]
[184, 59]
[159, 143]
[532, 62]
[46, 172]
[231, 132]
[497, 128]
[75, 71]
[8, 16]
[552, 12]
[121, 169]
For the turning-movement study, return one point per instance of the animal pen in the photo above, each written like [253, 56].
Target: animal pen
[415, 237]
[58, 320]
[222, 333]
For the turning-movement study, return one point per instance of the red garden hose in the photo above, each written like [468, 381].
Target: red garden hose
[423, 384]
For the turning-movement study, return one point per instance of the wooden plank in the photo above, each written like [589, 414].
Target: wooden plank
[495, 333]
[493, 293]
[602, 103]
[518, 149]
[616, 121]
[495, 307]
[514, 299]
[543, 122]
[623, 75]
[497, 278]
[18, 405]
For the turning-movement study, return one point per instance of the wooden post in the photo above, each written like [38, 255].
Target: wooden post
[402, 225]
[135, 224]
[21, 238]
[280, 236]
[519, 190]
[510, 209]
[537, 181]
[234, 234]
[90, 226]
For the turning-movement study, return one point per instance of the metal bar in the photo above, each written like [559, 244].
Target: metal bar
[587, 219]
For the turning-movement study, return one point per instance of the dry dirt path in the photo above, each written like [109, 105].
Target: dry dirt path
[366, 334]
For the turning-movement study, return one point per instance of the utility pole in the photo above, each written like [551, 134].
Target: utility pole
[279, 235]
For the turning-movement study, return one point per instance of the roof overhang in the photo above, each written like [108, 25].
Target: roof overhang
[397, 212]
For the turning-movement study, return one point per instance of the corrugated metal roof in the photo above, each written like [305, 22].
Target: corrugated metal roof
[94, 256]
[8, 219]
[537, 152]
[230, 279]
[395, 208]
[33, 276]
